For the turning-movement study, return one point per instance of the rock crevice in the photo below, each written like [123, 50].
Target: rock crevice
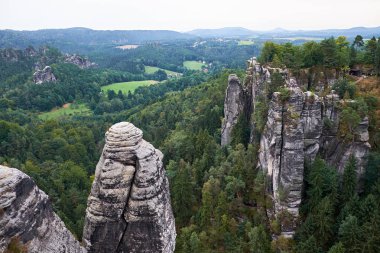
[129, 177]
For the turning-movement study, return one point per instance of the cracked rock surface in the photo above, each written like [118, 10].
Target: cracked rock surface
[233, 107]
[129, 207]
[27, 216]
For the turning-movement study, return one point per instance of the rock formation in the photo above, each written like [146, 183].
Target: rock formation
[300, 125]
[337, 151]
[233, 107]
[27, 217]
[128, 209]
[81, 62]
[282, 150]
[43, 76]
[129, 206]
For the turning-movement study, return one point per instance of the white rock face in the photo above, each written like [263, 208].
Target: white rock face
[129, 205]
[26, 214]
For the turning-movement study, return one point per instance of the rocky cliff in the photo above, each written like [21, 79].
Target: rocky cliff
[129, 205]
[81, 62]
[128, 210]
[233, 107]
[294, 134]
[27, 219]
[43, 76]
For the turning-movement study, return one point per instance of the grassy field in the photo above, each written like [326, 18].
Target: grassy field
[245, 43]
[127, 86]
[66, 110]
[193, 65]
[151, 70]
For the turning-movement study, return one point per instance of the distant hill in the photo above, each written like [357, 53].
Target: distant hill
[83, 40]
[222, 32]
[65, 39]
[366, 32]
[229, 32]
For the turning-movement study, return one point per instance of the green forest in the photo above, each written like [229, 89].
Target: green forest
[218, 195]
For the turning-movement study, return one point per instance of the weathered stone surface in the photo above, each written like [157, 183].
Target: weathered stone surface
[27, 216]
[298, 128]
[312, 125]
[282, 151]
[81, 62]
[337, 151]
[296, 131]
[43, 76]
[233, 107]
[129, 206]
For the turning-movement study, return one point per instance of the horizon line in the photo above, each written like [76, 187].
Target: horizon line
[187, 31]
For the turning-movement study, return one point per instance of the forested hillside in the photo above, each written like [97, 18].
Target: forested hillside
[219, 196]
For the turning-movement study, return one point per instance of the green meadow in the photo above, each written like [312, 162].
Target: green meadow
[125, 87]
[151, 70]
[193, 65]
[66, 110]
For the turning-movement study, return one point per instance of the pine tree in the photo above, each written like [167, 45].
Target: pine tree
[350, 234]
[349, 181]
[195, 243]
[337, 248]
[258, 240]
[377, 57]
[182, 193]
[308, 246]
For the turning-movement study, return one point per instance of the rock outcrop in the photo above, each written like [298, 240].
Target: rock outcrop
[81, 62]
[282, 151]
[300, 125]
[129, 206]
[337, 151]
[233, 107]
[43, 76]
[27, 218]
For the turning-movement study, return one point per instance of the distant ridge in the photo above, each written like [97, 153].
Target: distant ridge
[81, 39]
[81, 36]
[280, 32]
[222, 32]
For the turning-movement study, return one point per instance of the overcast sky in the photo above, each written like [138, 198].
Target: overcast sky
[187, 15]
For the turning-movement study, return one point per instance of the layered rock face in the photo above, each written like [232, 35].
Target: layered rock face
[27, 217]
[300, 125]
[294, 134]
[233, 107]
[282, 151]
[129, 206]
[43, 76]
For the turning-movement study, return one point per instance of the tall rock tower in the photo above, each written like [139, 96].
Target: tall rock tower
[129, 207]
[295, 132]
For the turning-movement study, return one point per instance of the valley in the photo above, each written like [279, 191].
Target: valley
[214, 140]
